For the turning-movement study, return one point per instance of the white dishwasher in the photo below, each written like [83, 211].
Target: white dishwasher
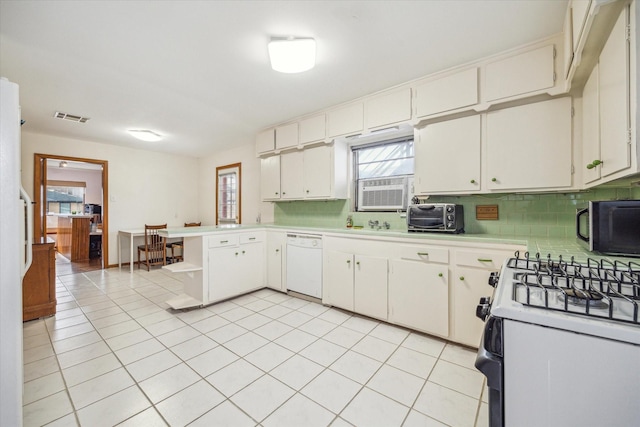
[304, 264]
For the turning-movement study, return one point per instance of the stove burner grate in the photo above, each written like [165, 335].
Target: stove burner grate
[597, 288]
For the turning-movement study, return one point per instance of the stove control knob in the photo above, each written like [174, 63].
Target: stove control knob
[484, 307]
[449, 217]
[450, 225]
[493, 278]
[449, 208]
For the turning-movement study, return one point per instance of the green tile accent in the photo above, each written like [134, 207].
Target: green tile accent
[539, 215]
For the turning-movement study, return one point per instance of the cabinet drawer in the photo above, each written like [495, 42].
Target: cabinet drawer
[488, 259]
[424, 253]
[251, 238]
[223, 240]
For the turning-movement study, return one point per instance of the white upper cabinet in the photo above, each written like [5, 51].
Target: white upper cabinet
[388, 109]
[313, 129]
[265, 141]
[346, 120]
[313, 173]
[291, 173]
[452, 146]
[529, 147]
[287, 136]
[590, 129]
[613, 87]
[318, 166]
[270, 178]
[447, 93]
[527, 72]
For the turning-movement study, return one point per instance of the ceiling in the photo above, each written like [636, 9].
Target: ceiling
[198, 73]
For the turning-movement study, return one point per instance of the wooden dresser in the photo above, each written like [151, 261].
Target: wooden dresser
[39, 284]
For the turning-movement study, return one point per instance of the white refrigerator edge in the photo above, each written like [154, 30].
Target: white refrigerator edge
[15, 255]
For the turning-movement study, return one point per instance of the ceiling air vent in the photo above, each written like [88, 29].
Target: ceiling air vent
[70, 117]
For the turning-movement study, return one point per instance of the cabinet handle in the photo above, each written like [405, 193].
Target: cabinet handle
[473, 181]
[423, 253]
[307, 191]
[348, 261]
[252, 238]
[594, 164]
[357, 262]
[224, 241]
[440, 274]
[461, 277]
[236, 253]
[243, 252]
[283, 193]
[277, 250]
[494, 179]
[276, 193]
[485, 260]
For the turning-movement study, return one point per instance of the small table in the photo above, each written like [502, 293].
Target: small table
[129, 234]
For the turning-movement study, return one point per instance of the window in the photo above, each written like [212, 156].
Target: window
[228, 194]
[65, 197]
[382, 173]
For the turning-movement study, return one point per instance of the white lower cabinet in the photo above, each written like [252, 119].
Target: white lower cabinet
[470, 282]
[419, 296]
[337, 286]
[276, 246]
[370, 286]
[356, 282]
[236, 265]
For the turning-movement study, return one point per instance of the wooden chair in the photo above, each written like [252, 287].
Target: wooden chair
[154, 248]
[180, 244]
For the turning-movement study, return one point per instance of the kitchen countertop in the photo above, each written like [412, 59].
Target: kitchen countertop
[567, 246]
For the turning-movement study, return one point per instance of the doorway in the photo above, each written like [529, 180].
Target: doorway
[65, 187]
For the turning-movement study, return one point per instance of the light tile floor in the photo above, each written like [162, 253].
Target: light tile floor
[115, 354]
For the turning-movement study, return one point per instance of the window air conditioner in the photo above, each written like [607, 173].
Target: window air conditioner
[382, 194]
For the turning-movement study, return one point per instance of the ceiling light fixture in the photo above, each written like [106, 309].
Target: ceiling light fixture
[292, 55]
[145, 135]
[64, 164]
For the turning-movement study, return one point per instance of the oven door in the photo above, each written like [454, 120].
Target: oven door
[489, 361]
[426, 217]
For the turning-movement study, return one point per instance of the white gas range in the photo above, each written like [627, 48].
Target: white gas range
[561, 345]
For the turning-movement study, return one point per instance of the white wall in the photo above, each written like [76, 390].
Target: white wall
[144, 187]
[92, 178]
[252, 207]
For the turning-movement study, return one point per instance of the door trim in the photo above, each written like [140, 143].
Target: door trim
[39, 182]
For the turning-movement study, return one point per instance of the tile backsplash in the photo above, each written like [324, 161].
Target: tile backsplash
[541, 215]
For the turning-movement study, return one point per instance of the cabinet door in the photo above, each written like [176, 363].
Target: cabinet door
[524, 73]
[614, 104]
[223, 273]
[468, 286]
[287, 136]
[291, 175]
[265, 141]
[454, 147]
[318, 171]
[338, 279]
[590, 129]
[275, 246]
[346, 120]
[419, 296]
[370, 286]
[388, 109]
[579, 13]
[447, 93]
[313, 129]
[270, 178]
[530, 146]
[251, 267]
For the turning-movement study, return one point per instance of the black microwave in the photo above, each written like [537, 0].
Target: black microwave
[610, 226]
[445, 217]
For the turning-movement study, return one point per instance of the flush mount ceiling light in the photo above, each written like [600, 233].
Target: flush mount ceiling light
[64, 164]
[145, 135]
[292, 55]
